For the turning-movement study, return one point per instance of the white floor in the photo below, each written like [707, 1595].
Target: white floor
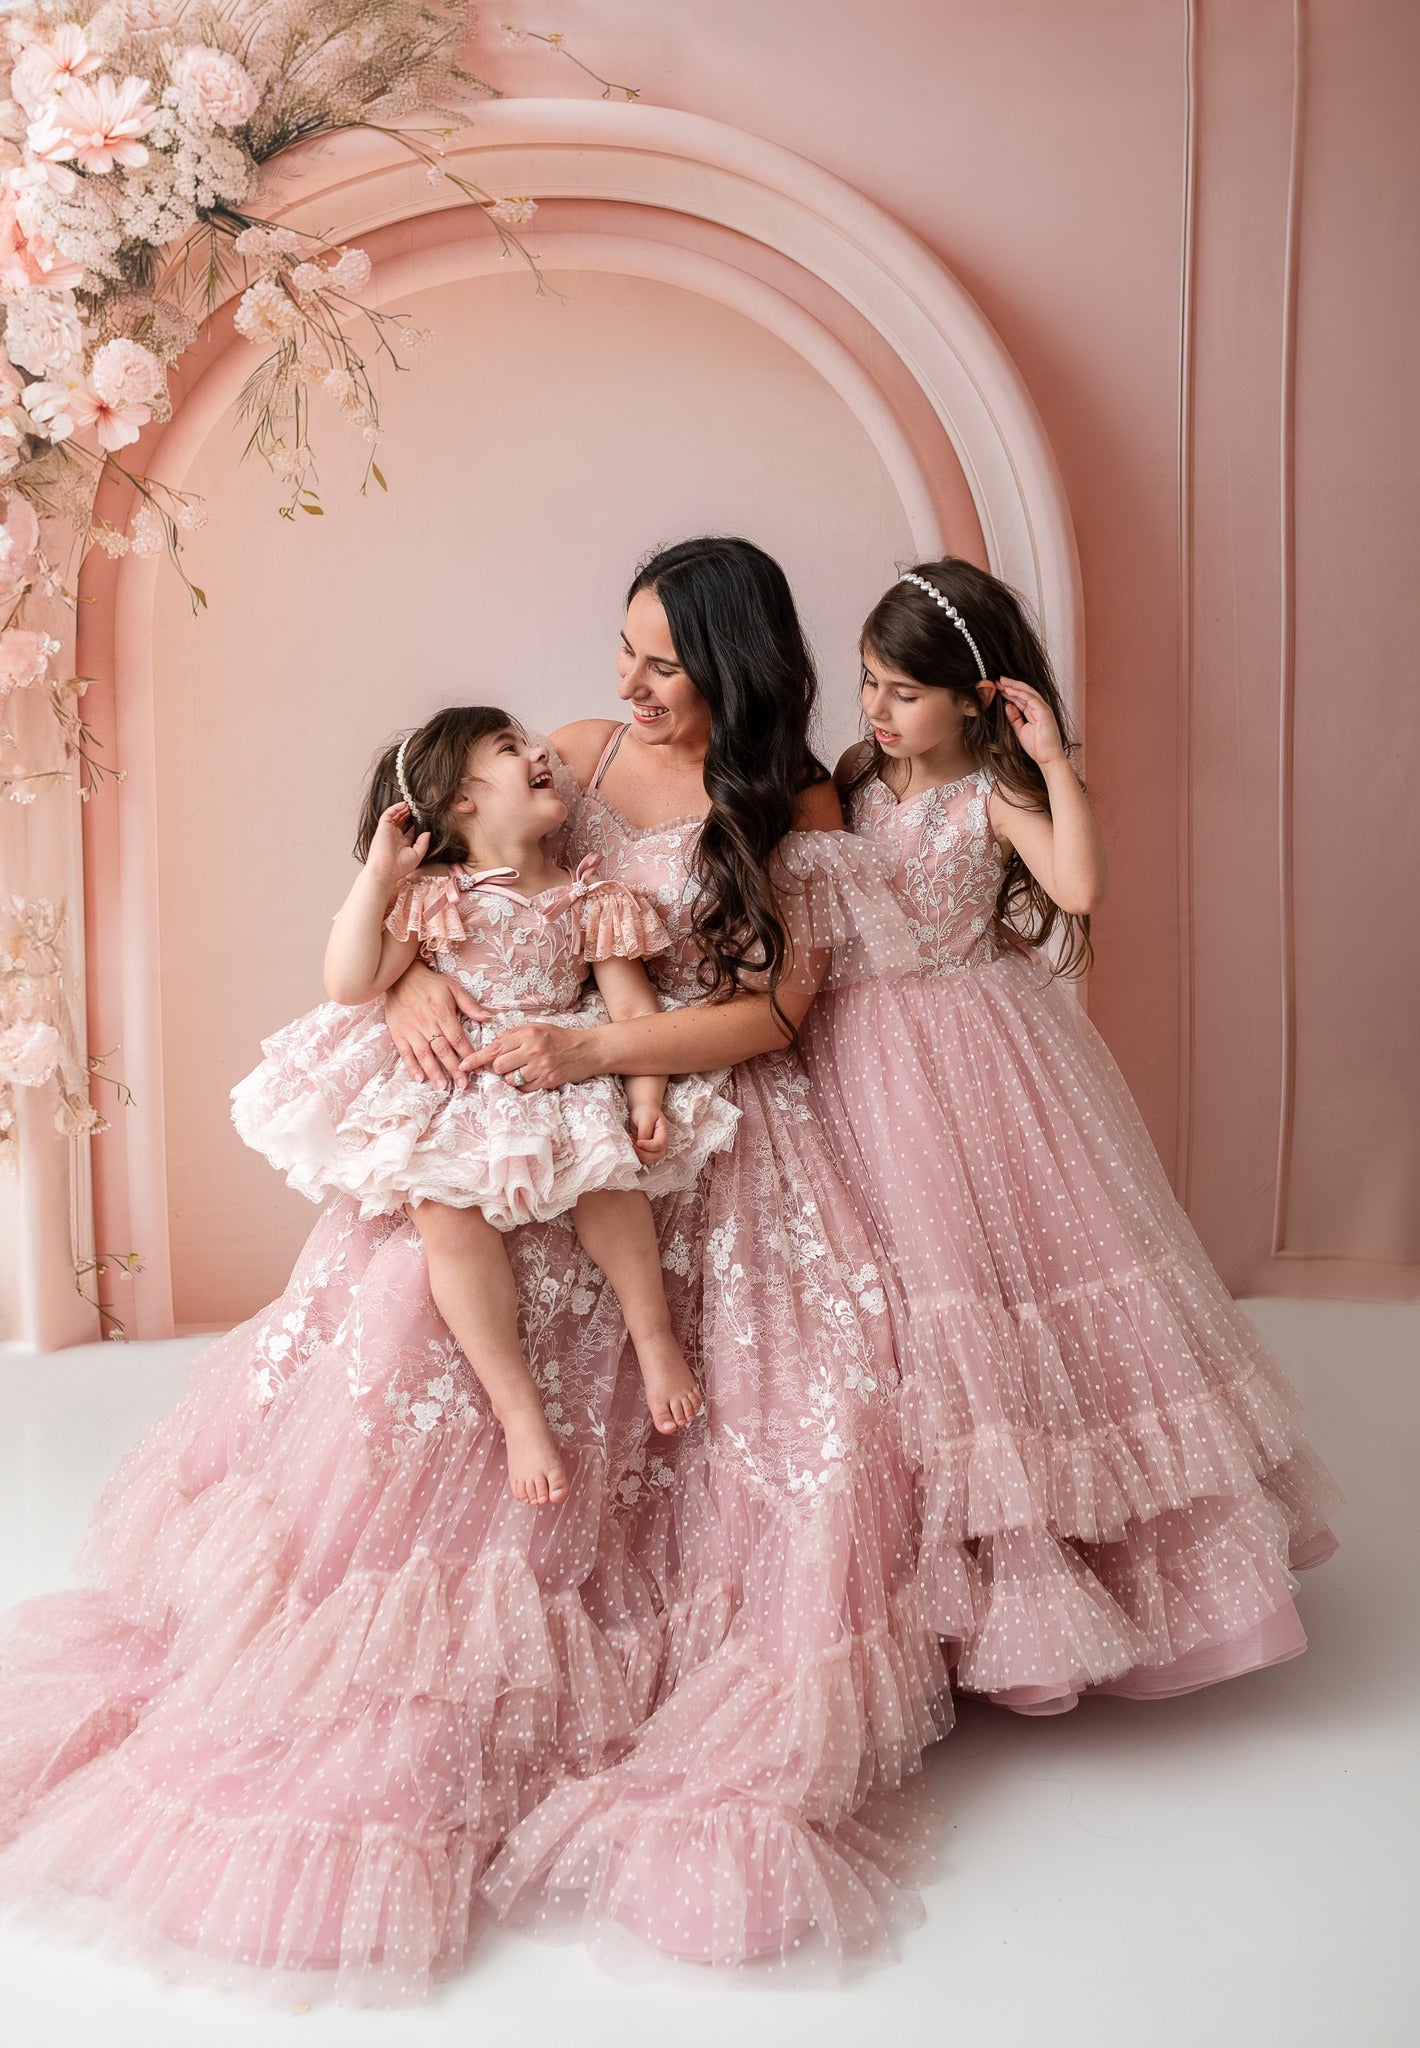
[1225, 1869]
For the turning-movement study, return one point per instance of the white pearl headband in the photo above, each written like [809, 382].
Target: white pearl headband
[399, 775]
[911, 576]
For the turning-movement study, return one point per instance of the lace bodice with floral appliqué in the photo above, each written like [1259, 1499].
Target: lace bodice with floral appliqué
[949, 866]
[520, 953]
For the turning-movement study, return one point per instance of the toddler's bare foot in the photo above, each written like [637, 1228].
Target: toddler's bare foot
[671, 1393]
[536, 1473]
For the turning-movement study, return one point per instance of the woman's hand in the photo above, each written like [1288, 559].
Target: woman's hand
[395, 849]
[1033, 722]
[541, 1055]
[424, 1014]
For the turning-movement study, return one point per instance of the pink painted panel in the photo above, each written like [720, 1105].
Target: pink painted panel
[586, 429]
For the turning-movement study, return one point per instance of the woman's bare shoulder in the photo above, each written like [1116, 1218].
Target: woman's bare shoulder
[818, 809]
[580, 744]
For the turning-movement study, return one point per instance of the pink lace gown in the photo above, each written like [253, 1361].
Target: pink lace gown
[332, 1106]
[323, 1667]
[1107, 1455]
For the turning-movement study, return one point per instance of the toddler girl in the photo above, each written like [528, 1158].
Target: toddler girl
[456, 867]
[1114, 1485]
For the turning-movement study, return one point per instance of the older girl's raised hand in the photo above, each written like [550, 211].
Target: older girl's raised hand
[1032, 721]
[396, 850]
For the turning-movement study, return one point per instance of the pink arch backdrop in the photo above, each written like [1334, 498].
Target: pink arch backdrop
[1183, 223]
[641, 193]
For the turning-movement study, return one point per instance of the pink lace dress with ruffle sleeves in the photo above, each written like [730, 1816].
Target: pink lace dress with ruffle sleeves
[800, 1669]
[332, 1107]
[321, 1664]
[1109, 1458]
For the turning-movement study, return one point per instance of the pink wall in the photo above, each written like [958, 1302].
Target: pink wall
[1223, 388]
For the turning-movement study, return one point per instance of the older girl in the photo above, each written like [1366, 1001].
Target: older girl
[1105, 1446]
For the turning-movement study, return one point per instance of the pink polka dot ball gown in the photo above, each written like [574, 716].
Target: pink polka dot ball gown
[1107, 1456]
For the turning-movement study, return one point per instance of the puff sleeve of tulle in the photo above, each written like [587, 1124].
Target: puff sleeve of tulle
[617, 924]
[427, 909]
[833, 892]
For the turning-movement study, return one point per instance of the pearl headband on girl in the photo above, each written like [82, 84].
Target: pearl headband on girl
[911, 576]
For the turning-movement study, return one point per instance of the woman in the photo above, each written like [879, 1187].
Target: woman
[326, 1664]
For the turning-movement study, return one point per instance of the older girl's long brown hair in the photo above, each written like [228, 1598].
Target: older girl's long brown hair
[907, 631]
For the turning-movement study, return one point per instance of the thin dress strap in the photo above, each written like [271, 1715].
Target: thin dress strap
[606, 755]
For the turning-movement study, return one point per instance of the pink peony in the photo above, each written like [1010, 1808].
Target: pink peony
[350, 271]
[214, 87]
[126, 373]
[29, 1053]
[115, 425]
[48, 404]
[265, 314]
[45, 69]
[19, 546]
[24, 657]
[96, 124]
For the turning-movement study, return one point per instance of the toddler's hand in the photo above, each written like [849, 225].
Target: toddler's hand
[393, 853]
[650, 1134]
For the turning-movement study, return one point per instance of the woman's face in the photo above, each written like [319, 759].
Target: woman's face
[665, 705]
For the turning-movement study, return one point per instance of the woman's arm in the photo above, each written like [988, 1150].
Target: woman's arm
[694, 1040]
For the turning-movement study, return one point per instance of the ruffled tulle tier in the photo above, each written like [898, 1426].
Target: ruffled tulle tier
[1114, 1487]
[801, 1676]
[332, 1108]
[317, 1688]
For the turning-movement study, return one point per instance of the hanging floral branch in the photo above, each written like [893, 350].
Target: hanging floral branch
[134, 140]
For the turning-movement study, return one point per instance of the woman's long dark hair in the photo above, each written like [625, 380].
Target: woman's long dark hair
[738, 638]
[435, 763]
[907, 631]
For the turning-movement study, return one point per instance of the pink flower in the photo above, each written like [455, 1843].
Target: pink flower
[265, 314]
[115, 425]
[350, 271]
[30, 260]
[19, 546]
[126, 373]
[24, 657]
[96, 125]
[215, 87]
[49, 405]
[29, 1053]
[45, 69]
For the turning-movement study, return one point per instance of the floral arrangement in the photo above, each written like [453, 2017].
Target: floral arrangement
[135, 141]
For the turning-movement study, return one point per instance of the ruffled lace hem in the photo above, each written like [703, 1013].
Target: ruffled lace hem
[801, 1676]
[375, 1915]
[1199, 1409]
[333, 1110]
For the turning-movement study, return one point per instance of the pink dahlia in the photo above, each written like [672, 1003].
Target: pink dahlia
[96, 125]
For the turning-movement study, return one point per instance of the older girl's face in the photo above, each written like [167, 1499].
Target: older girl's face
[665, 704]
[907, 718]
